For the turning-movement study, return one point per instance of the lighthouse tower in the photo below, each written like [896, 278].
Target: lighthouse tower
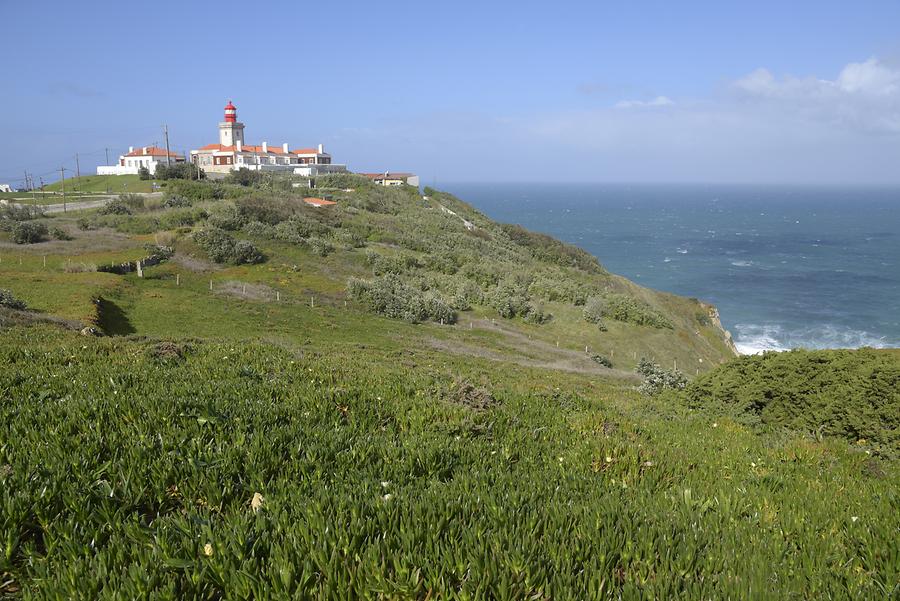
[231, 131]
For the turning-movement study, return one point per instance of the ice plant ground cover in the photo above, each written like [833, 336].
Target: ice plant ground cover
[139, 468]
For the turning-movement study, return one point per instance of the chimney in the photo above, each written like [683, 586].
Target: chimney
[131, 149]
[284, 147]
[265, 147]
[144, 150]
[321, 149]
[240, 146]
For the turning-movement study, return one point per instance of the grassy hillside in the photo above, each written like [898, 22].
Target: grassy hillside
[201, 470]
[510, 292]
[114, 184]
[394, 397]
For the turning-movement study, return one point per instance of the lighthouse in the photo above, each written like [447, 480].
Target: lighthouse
[231, 131]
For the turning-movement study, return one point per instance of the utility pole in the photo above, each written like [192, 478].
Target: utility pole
[33, 197]
[166, 132]
[62, 174]
[77, 172]
[43, 194]
[107, 156]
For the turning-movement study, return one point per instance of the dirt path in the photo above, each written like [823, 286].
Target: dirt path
[81, 205]
[548, 355]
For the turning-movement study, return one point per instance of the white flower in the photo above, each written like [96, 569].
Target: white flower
[854, 517]
[385, 483]
[387, 497]
[608, 459]
[208, 550]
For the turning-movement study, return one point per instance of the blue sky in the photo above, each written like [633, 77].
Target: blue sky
[805, 92]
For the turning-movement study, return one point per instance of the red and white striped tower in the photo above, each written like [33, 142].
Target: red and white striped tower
[231, 131]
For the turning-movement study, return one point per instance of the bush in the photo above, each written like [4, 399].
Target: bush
[259, 229]
[222, 248]
[602, 360]
[86, 224]
[630, 310]
[390, 297]
[8, 300]
[266, 210]
[845, 393]
[28, 232]
[593, 310]
[246, 253]
[115, 207]
[143, 173]
[536, 314]
[320, 246]
[10, 213]
[177, 202]
[244, 177]
[186, 171]
[195, 190]
[226, 218]
[60, 234]
[657, 379]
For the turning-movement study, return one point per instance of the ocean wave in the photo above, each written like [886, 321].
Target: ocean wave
[752, 339]
[742, 263]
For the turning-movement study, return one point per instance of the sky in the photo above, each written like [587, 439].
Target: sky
[804, 92]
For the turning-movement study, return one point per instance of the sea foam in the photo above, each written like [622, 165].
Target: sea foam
[753, 339]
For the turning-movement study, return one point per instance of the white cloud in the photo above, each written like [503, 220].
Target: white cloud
[870, 77]
[658, 101]
[863, 96]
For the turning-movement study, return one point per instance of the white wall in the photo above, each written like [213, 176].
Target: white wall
[116, 170]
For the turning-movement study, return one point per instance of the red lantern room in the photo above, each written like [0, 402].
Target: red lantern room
[230, 113]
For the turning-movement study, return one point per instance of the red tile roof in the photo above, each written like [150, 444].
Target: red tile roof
[389, 175]
[318, 202]
[259, 150]
[151, 151]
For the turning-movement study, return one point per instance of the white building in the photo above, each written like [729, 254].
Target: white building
[5, 188]
[232, 152]
[146, 156]
[389, 178]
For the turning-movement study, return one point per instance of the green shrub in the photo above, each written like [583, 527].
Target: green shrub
[222, 248]
[266, 210]
[226, 217]
[29, 232]
[177, 171]
[244, 177]
[602, 360]
[86, 224]
[389, 296]
[547, 248]
[143, 173]
[320, 246]
[656, 379]
[627, 309]
[259, 229]
[177, 202]
[536, 314]
[194, 190]
[60, 234]
[115, 207]
[594, 309]
[8, 300]
[853, 395]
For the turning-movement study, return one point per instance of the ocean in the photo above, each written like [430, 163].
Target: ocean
[787, 266]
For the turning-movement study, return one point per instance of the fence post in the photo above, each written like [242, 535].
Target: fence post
[177, 279]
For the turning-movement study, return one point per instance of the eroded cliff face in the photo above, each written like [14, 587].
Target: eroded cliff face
[714, 318]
